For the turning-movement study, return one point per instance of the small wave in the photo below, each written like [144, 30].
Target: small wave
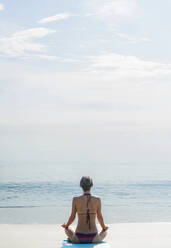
[19, 206]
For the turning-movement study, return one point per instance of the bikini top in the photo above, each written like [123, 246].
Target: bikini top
[88, 211]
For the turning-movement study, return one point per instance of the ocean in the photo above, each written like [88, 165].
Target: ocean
[50, 201]
[40, 173]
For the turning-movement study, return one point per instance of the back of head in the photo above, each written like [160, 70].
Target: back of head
[86, 183]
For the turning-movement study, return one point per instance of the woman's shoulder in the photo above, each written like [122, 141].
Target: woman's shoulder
[75, 198]
[96, 197]
[81, 196]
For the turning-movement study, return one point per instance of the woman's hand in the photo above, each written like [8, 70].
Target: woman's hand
[105, 228]
[64, 226]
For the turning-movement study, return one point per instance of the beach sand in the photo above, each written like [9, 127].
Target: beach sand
[124, 235]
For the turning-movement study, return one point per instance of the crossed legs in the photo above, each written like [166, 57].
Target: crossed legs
[73, 238]
[71, 235]
[99, 237]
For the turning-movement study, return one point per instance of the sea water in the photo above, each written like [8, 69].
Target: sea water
[40, 174]
[42, 201]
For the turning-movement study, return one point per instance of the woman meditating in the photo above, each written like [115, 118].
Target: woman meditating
[87, 208]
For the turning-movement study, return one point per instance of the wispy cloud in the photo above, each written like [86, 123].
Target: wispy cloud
[84, 97]
[133, 39]
[22, 44]
[115, 9]
[53, 18]
[123, 66]
[1, 7]
[55, 58]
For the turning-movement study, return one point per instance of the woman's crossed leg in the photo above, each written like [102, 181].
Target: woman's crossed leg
[73, 238]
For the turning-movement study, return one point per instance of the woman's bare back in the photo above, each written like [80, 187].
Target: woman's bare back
[86, 207]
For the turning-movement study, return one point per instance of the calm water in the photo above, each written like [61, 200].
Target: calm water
[40, 172]
[50, 202]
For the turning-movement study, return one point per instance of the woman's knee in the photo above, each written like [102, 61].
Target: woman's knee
[103, 234]
[99, 237]
[69, 232]
[71, 235]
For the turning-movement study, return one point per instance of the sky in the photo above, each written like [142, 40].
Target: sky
[98, 72]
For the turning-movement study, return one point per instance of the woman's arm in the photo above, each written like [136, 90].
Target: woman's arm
[73, 214]
[100, 217]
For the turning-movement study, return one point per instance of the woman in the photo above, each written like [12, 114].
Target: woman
[87, 208]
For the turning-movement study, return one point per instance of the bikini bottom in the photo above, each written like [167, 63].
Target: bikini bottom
[85, 238]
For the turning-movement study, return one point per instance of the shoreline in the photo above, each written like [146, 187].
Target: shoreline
[120, 235]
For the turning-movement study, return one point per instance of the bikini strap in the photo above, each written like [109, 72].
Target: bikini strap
[88, 213]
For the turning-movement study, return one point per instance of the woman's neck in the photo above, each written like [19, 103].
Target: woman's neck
[87, 192]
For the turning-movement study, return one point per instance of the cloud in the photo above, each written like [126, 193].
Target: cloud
[22, 44]
[124, 66]
[1, 7]
[128, 92]
[133, 39]
[114, 9]
[55, 58]
[53, 18]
